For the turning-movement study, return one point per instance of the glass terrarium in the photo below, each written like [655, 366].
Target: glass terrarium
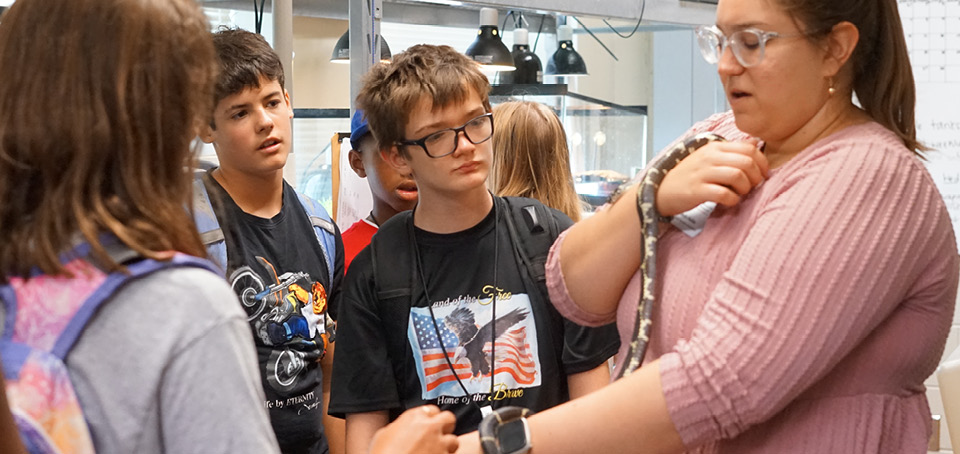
[607, 141]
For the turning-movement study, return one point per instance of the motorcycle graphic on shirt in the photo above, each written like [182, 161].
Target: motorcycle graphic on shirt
[286, 317]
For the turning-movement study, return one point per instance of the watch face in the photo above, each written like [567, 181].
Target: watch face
[513, 437]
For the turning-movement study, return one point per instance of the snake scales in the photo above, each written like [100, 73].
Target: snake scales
[649, 231]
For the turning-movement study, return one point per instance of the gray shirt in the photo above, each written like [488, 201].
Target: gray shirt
[168, 366]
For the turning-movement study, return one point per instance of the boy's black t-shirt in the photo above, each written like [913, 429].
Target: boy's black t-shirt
[276, 267]
[390, 355]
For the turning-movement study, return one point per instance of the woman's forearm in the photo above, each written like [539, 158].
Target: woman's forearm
[600, 254]
[630, 415]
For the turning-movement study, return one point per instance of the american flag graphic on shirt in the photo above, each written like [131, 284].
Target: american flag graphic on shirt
[517, 363]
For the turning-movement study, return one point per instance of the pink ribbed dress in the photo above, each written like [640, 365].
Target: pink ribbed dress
[806, 318]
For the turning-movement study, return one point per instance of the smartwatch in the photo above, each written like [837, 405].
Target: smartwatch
[505, 431]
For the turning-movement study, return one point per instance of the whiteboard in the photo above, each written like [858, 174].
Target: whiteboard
[354, 198]
[939, 128]
[932, 30]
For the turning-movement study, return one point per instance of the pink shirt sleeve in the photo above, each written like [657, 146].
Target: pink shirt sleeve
[557, 287]
[833, 254]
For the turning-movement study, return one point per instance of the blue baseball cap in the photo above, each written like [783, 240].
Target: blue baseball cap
[358, 129]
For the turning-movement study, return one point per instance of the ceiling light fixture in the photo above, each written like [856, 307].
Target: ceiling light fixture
[566, 61]
[341, 51]
[488, 49]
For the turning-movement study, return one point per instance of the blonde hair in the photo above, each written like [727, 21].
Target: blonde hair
[530, 156]
[96, 122]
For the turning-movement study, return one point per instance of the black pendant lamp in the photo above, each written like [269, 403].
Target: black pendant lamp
[566, 61]
[529, 70]
[488, 49]
[341, 51]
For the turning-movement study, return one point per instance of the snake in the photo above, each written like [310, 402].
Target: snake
[650, 220]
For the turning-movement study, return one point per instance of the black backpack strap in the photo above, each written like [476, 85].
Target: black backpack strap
[391, 252]
[533, 227]
[394, 270]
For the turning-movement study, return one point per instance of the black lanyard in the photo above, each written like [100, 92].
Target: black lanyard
[493, 317]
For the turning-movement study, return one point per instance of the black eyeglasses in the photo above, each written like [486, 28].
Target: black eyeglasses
[444, 141]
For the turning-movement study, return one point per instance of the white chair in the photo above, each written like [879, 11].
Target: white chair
[948, 377]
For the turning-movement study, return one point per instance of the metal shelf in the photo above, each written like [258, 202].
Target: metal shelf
[693, 12]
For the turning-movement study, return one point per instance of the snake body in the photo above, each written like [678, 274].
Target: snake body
[650, 230]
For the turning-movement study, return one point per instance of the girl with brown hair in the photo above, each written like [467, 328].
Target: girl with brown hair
[98, 107]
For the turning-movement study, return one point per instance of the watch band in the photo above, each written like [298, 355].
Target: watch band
[491, 423]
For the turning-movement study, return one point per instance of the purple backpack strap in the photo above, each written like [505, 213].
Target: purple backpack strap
[110, 286]
[45, 315]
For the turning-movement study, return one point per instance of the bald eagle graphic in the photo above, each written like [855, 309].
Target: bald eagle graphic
[472, 339]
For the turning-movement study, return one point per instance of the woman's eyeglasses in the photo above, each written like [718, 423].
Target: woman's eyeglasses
[748, 45]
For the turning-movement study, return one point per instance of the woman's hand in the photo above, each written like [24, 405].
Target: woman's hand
[720, 172]
[420, 430]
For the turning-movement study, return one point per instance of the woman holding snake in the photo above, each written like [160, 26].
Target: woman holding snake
[804, 312]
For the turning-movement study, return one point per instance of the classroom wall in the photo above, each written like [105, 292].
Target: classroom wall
[317, 82]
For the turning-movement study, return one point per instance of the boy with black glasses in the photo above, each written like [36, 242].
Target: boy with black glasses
[448, 305]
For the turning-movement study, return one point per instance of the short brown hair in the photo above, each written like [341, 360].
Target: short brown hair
[531, 158]
[392, 90]
[244, 58]
[96, 126]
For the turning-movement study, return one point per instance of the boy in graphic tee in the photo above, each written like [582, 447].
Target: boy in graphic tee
[433, 342]
[275, 262]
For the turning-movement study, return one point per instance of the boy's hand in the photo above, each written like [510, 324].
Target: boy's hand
[419, 430]
[720, 172]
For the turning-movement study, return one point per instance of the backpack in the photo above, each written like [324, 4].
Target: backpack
[532, 227]
[204, 215]
[44, 317]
